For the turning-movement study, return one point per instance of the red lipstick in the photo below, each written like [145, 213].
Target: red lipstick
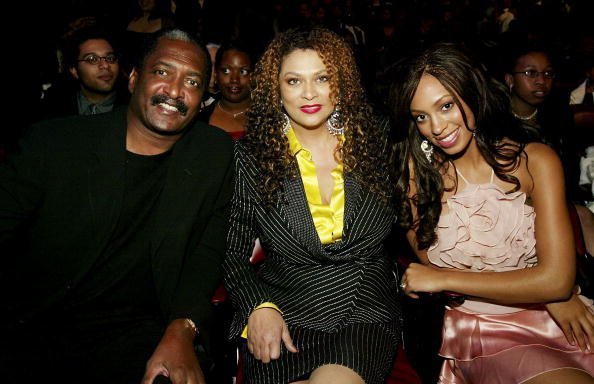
[310, 109]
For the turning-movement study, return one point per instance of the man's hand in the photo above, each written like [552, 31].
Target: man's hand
[174, 357]
[266, 329]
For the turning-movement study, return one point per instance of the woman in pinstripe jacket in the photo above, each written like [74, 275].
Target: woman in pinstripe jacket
[311, 184]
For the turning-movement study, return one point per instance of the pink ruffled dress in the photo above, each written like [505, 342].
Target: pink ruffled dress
[486, 229]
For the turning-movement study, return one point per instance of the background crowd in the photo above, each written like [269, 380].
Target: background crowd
[380, 31]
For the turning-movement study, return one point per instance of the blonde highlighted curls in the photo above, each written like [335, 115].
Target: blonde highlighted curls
[364, 151]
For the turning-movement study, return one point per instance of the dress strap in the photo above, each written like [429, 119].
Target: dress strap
[461, 176]
[466, 181]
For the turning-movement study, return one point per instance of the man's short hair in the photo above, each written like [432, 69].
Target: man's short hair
[71, 44]
[150, 45]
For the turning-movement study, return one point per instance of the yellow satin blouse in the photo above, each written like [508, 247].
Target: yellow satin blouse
[328, 219]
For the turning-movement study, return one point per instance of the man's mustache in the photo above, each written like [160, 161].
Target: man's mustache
[180, 105]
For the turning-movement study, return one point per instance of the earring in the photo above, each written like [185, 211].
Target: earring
[335, 125]
[427, 149]
[287, 125]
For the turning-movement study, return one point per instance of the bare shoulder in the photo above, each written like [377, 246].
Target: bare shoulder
[543, 167]
[541, 159]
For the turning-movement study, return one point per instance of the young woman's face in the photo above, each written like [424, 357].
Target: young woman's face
[532, 78]
[438, 117]
[305, 89]
[233, 75]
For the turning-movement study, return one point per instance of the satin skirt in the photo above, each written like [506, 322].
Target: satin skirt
[492, 344]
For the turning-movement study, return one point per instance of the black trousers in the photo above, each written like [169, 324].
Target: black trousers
[43, 353]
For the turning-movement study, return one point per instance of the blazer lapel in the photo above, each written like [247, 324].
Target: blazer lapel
[299, 216]
[352, 200]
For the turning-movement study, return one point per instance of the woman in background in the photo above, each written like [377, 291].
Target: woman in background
[232, 72]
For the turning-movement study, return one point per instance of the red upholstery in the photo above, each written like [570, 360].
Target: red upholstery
[402, 372]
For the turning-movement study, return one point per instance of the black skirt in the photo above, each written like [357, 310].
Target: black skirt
[368, 349]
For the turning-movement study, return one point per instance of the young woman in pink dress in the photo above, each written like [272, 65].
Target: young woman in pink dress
[488, 220]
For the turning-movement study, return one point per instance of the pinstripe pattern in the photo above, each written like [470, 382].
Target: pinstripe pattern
[323, 290]
[368, 349]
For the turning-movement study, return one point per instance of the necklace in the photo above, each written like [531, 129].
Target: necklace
[525, 118]
[231, 113]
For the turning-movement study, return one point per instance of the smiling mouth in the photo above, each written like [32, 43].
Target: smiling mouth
[309, 109]
[449, 140]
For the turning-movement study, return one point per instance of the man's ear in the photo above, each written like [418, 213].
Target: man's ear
[132, 80]
[73, 72]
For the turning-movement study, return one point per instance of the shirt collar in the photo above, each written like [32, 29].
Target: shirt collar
[85, 107]
[294, 145]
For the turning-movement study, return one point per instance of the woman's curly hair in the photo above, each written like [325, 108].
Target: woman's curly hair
[466, 80]
[364, 153]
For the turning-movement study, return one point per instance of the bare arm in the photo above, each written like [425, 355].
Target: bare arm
[551, 280]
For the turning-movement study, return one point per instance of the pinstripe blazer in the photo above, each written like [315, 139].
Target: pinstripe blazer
[322, 287]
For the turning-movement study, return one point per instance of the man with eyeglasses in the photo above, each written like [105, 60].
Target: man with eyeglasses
[92, 84]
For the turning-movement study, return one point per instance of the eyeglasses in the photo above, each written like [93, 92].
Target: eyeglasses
[533, 74]
[94, 59]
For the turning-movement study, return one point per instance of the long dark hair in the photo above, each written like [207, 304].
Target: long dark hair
[465, 79]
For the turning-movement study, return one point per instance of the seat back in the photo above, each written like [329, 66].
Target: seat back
[583, 118]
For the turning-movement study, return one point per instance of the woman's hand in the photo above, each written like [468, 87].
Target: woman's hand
[266, 329]
[421, 278]
[576, 321]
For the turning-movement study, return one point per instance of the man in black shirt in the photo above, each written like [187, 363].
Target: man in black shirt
[112, 231]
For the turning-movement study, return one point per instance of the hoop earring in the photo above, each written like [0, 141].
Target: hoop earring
[334, 122]
[287, 124]
[427, 149]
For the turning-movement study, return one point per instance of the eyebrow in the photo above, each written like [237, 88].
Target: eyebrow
[301, 74]
[97, 53]
[437, 102]
[169, 65]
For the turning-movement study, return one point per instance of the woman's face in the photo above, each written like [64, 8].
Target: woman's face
[233, 75]
[532, 78]
[438, 117]
[305, 89]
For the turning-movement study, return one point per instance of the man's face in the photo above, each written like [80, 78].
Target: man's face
[100, 77]
[167, 91]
